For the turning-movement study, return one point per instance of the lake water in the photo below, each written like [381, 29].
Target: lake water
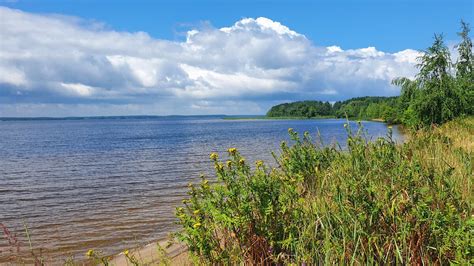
[111, 184]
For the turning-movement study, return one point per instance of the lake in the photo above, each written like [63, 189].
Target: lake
[111, 184]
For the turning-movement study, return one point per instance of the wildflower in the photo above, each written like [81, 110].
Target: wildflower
[229, 163]
[196, 212]
[180, 209]
[241, 161]
[184, 201]
[219, 166]
[90, 252]
[213, 156]
[125, 252]
[389, 127]
[205, 181]
[196, 225]
[259, 163]
[290, 130]
[232, 150]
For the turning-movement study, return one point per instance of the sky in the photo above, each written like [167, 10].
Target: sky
[87, 58]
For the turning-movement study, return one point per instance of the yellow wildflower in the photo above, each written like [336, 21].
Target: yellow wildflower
[290, 130]
[196, 225]
[219, 166]
[196, 212]
[213, 156]
[229, 163]
[232, 150]
[389, 127]
[205, 181]
[259, 163]
[241, 161]
[125, 252]
[89, 253]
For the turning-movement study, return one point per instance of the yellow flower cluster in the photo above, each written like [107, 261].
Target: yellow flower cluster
[196, 225]
[213, 156]
[259, 163]
[241, 161]
[219, 166]
[90, 252]
[229, 163]
[232, 151]
[125, 252]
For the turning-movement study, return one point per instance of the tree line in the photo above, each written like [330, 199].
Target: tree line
[357, 108]
[442, 90]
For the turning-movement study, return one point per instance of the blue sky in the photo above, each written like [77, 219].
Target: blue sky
[203, 57]
[389, 25]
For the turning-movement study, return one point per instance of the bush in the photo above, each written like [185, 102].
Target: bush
[375, 203]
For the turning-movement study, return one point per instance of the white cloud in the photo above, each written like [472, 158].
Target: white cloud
[260, 25]
[52, 62]
[78, 89]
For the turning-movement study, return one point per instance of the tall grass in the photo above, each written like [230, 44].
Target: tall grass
[376, 202]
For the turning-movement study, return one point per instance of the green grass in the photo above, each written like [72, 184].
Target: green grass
[375, 203]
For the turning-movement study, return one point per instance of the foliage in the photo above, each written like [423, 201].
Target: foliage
[306, 109]
[376, 203]
[465, 69]
[368, 108]
[442, 90]
[361, 108]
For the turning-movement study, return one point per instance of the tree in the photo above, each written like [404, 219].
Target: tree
[438, 101]
[465, 63]
[465, 69]
[436, 96]
[409, 92]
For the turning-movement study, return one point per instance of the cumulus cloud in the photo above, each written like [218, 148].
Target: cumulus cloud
[49, 63]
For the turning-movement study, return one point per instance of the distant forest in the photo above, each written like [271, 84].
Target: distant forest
[358, 108]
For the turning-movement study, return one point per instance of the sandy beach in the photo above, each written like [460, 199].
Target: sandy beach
[150, 254]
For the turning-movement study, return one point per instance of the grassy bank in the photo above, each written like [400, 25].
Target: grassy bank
[377, 202]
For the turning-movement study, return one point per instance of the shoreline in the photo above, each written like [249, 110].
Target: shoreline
[175, 254]
[381, 120]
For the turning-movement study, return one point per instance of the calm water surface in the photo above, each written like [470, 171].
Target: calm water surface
[112, 184]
